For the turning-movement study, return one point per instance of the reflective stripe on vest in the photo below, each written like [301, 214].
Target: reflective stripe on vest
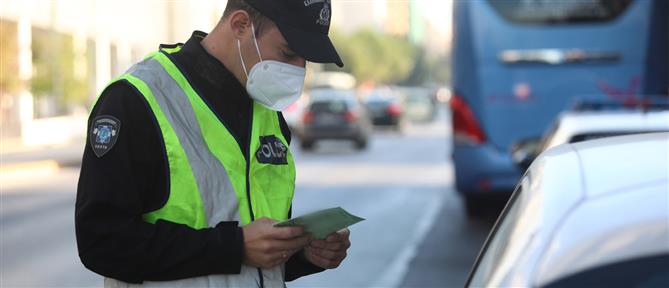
[207, 168]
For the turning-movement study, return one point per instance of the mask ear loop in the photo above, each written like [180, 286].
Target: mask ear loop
[253, 29]
[239, 49]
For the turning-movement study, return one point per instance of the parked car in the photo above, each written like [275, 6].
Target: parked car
[591, 121]
[334, 114]
[589, 214]
[385, 109]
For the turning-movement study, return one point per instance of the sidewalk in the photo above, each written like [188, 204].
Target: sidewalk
[13, 151]
[21, 161]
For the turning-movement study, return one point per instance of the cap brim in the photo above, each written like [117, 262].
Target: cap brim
[313, 46]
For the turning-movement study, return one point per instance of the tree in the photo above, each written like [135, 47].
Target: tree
[370, 55]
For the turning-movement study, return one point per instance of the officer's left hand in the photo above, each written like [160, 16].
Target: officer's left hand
[330, 252]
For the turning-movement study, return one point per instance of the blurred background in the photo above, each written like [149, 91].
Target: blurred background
[425, 132]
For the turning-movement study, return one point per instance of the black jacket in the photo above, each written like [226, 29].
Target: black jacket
[116, 189]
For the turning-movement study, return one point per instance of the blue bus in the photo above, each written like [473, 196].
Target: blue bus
[517, 63]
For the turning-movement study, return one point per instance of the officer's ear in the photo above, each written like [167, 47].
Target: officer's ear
[240, 23]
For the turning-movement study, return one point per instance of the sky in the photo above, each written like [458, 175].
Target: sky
[438, 12]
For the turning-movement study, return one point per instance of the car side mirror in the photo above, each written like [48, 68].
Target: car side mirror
[525, 151]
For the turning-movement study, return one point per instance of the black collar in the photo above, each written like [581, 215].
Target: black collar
[217, 86]
[207, 67]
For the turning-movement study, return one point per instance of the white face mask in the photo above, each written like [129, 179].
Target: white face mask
[274, 84]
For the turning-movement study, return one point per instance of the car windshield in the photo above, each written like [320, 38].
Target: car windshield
[378, 103]
[334, 106]
[558, 12]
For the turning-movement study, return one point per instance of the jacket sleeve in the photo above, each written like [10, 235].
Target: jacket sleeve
[130, 179]
[297, 266]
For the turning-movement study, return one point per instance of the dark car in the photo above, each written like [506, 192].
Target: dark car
[384, 110]
[334, 114]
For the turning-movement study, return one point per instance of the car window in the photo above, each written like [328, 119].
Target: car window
[377, 104]
[593, 136]
[651, 271]
[559, 12]
[497, 241]
[336, 106]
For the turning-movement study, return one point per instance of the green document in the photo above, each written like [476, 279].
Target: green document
[322, 223]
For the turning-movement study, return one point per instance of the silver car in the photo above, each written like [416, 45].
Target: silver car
[589, 214]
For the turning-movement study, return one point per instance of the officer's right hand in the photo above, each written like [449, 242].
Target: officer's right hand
[266, 246]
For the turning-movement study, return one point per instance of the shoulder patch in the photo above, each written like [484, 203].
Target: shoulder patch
[104, 132]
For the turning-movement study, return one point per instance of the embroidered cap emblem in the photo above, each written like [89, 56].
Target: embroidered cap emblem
[324, 14]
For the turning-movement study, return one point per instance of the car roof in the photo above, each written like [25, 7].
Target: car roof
[383, 94]
[639, 159]
[617, 227]
[325, 95]
[612, 207]
[620, 120]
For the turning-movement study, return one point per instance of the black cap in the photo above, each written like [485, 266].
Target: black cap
[304, 24]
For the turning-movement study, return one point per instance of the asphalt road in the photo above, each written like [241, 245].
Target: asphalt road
[415, 234]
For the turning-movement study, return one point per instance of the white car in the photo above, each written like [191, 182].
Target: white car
[577, 126]
[589, 214]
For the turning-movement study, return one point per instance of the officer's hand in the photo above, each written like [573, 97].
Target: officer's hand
[266, 246]
[329, 253]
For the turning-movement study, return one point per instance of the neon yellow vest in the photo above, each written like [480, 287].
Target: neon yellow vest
[270, 187]
[209, 178]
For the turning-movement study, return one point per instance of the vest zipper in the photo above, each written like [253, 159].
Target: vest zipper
[248, 180]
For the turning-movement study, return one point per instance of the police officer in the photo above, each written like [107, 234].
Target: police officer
[187, 166]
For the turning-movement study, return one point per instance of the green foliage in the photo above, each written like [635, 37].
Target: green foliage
[388, 59]
[53, 62]
[429, 70]
[370, 55]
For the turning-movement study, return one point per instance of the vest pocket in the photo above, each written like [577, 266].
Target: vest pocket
[273, 188]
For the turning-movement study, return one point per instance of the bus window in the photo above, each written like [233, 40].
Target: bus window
[559, 12]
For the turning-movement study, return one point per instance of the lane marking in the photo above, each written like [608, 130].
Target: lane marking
[398, 269]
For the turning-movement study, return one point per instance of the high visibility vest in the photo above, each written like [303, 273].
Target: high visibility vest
[209, 178]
